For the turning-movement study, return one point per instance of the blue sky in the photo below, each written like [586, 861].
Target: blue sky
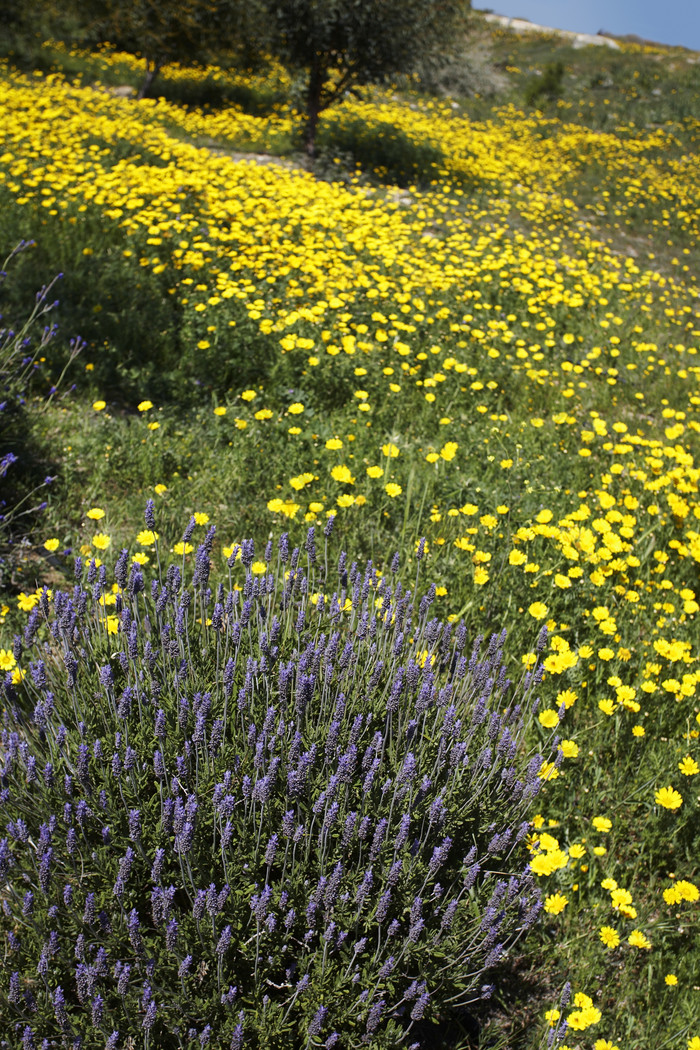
[669, 22]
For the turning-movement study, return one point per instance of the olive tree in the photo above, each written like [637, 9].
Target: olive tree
[341, 44]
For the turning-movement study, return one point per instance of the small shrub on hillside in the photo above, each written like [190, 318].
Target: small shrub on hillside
[463, 69]
[548, 87]
[287, 813]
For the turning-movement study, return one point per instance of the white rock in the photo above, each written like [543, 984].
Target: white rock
[521, 25]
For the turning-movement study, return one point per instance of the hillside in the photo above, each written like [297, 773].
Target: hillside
[468, 334]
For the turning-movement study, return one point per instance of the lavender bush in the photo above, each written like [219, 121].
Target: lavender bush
[288, 814]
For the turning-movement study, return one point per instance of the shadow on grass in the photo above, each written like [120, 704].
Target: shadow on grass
[458, 1030]
[506, 1021]
[24, 493]
[525, 988]
[382, 150]
[214, 94]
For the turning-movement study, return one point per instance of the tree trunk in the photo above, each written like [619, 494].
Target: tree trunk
[153, 68]
[313, 105]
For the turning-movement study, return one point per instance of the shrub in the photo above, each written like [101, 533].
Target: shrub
[548, 86]
[463, 67]
[258, 815]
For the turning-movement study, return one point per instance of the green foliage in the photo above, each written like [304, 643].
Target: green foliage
[463, 65]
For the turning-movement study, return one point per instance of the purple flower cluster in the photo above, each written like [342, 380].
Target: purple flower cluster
[292, 797]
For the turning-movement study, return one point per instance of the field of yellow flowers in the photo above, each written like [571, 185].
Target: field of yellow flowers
[500, 354]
